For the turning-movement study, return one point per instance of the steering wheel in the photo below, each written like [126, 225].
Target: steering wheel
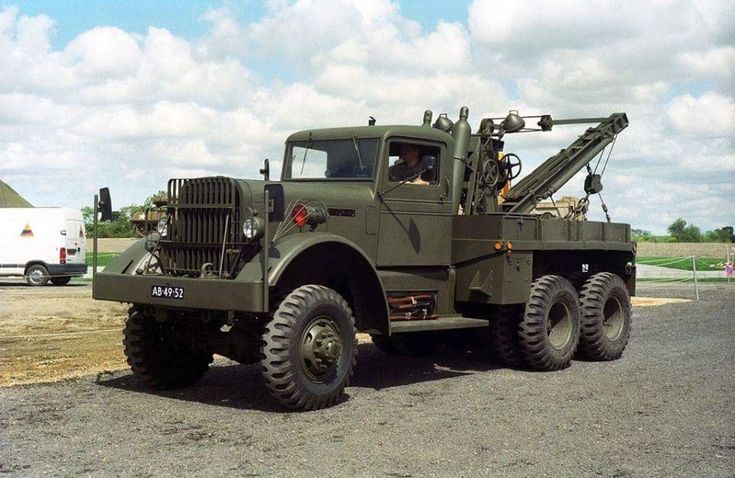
[512, 167]
[491, 173]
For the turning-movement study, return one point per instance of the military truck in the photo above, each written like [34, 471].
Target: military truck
[394, 231]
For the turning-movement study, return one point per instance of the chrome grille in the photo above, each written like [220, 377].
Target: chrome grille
[204, 213]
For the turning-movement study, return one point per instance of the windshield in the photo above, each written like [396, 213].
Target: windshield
[331, 159]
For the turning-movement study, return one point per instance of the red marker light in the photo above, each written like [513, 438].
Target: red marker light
[62, 255]
[300, 215]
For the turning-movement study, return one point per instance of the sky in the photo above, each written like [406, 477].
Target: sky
[128, 94]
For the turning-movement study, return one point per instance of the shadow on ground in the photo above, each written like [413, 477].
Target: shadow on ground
[241, 386]
[21, 283]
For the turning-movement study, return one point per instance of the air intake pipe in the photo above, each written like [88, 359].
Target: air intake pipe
[461, 133]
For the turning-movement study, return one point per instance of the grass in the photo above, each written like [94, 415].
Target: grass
[684, 263]
[103, 258]
[684, 280]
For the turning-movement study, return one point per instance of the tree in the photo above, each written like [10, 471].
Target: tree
[641, 235]
[120, 226]
[680, 232]
[724, 234]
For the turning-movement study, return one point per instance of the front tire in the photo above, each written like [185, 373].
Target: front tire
[159, 355]
[309, 348]
[549, 331]
[606, 317]
[37, 275]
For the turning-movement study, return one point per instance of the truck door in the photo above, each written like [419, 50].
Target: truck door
[415, 217]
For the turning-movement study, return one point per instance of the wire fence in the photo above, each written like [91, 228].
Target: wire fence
[684, 269]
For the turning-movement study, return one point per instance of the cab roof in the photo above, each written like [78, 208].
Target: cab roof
[382, 131]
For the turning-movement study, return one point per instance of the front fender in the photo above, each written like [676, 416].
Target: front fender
[302, 258]
[283, 252]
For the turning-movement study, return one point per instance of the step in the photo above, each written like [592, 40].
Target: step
[442, 323]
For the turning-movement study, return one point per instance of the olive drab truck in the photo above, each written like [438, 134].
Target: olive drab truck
[285, 272]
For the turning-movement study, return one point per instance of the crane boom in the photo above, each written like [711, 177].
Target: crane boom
[556, 171]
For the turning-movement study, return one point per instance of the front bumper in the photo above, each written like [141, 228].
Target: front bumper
[208, 294]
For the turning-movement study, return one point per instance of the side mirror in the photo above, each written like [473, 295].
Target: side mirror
[266, 171]
[430, 165]
[105, 204]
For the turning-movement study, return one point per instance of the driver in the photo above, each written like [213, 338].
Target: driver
[408, 165]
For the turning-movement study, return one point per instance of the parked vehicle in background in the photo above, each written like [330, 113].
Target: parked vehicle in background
[43, 244]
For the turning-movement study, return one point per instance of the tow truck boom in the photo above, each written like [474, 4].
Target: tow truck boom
[556, 171]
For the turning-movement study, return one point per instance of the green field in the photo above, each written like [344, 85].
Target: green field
[103, 258]
[683, 263]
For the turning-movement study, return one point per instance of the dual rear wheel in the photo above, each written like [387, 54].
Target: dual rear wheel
[558, 322]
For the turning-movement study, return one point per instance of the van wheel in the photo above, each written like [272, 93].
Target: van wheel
[548, 334]
[309, 348]
[37, 275]
[159, 354]
[63, 280]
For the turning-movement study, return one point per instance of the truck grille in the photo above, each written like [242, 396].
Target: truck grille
[203, 213]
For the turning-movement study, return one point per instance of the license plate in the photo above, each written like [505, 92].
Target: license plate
[167, 292]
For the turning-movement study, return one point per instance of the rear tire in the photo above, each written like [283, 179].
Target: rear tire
[504, 338]
[37, 275]
[158, 355]
[61, 280]
[549, 331]
[309, 348]
[606, 318]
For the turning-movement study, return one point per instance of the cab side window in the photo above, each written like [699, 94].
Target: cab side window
[413, 163]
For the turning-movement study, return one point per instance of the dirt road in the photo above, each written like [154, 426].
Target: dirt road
[666, 409]
[51, 333]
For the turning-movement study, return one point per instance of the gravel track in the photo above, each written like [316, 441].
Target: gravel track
[667, 408]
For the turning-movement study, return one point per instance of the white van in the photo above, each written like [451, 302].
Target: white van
[43, 244]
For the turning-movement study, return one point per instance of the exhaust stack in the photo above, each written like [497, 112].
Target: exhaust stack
[461, 133]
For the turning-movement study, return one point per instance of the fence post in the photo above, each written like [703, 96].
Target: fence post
[694, 270]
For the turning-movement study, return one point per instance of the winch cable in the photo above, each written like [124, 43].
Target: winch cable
[590, 171]
[604, 207]
[612, 146]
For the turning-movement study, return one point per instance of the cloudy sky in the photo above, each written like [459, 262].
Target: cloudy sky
[127, 94]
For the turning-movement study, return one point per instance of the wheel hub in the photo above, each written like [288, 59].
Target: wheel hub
[612, 321]
[559, 325]
[321, 347]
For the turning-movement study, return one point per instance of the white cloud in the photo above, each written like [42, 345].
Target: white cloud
[710, 114]
[130, 110]
[717, 62]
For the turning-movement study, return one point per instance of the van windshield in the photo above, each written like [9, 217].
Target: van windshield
[351, 159]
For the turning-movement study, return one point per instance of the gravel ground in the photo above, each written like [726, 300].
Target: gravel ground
[667, 408]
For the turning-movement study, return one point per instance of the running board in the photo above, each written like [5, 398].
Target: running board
[442, 323]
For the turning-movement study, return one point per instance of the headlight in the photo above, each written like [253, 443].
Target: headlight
[163, 226]
[252, 226]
